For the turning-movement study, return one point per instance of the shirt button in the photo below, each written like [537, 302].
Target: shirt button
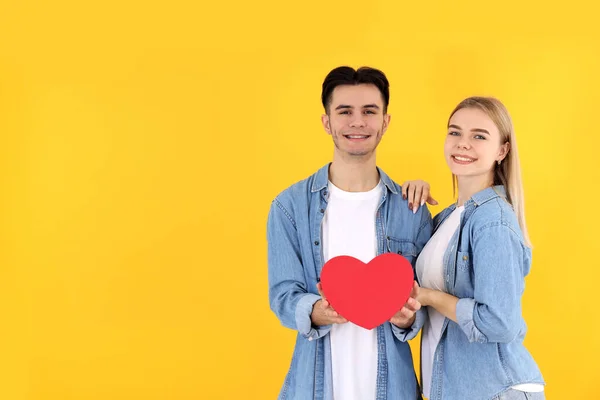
[316, 242]
[465, 258]
[310, 339]
[321, 211]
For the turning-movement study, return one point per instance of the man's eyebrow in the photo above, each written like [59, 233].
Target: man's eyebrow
[346, 106]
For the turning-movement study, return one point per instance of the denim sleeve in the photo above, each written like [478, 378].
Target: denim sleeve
[423, 236]
[494, 314]
[406, 334]
[288, 295]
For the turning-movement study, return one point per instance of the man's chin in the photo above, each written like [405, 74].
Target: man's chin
[360, 153]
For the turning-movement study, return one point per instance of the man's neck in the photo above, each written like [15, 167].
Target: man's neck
[357, 174]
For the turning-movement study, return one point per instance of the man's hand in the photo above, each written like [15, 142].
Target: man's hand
[406, 316]
[323, 313]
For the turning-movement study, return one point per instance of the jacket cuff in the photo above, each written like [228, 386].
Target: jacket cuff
[303, 321]
[465, 309]
[405, 334]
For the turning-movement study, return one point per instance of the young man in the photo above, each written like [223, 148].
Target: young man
[348, 207]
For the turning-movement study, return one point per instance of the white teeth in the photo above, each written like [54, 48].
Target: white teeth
[357, 137]
[463, 159]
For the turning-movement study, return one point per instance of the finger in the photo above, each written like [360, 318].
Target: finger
[324, 303]
[424, 195]
[413, 305]
[320, 289]
[405, 186]
[412, 291]
[417, 198]
[411, 196]
[406, 313]
[432, 201]
[415, 290]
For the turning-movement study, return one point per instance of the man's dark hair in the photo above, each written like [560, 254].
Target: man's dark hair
[350, 76]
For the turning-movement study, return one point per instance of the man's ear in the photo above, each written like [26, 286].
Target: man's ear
[386, 123]
[326, 124]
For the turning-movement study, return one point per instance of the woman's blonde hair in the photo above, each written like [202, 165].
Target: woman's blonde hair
[508, 173]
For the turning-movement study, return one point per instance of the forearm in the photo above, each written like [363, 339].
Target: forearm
[443, 302]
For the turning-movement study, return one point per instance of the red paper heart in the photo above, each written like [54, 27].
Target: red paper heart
[367, 294]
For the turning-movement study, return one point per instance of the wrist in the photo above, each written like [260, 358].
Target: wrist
[425, 297]
[315, 315]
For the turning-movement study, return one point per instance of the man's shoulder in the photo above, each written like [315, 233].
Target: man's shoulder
[292, 192]
[301, 189]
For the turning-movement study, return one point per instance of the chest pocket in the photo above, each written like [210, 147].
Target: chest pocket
[405, 248]
[464, 278]
[463, 261]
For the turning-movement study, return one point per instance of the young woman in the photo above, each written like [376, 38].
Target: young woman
[472, 270]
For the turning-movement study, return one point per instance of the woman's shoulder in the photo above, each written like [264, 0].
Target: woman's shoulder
[495, 213]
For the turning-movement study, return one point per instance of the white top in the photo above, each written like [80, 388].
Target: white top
[430, 272]
[349, 229]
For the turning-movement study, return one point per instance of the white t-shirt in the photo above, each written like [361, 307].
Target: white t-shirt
[430, 271]
[349, 229]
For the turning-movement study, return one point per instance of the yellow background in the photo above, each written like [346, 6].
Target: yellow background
[141, 146]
